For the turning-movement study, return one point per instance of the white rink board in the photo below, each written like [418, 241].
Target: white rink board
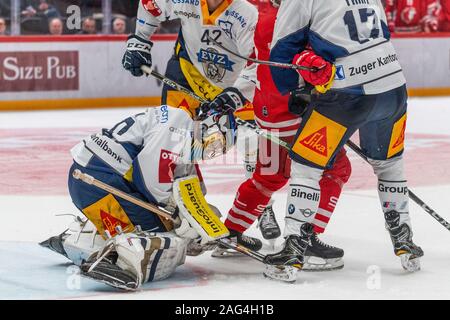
[424, 60]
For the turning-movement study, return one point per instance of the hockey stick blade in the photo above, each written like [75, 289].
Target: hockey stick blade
[280, 273]
[264, 62]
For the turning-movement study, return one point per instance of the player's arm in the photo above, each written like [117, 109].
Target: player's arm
[246, 82]
[149, 16]
[243, 89]
[290, 37]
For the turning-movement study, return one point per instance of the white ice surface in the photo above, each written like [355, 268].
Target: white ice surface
[371, 270]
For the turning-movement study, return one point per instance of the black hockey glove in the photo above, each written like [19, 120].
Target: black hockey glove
[299, 100]
[229, 100]
[137, 55]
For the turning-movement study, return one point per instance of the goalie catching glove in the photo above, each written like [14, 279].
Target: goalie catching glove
[138, 54]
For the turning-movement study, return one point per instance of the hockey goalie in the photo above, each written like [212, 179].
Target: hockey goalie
[151, 156]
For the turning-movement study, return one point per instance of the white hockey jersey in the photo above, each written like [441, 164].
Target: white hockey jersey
[148, 149]
[232, 25]
[352, 34]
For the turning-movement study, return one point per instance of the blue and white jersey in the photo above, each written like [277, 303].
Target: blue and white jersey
[232, 24]
[351, 34]
[148, 149]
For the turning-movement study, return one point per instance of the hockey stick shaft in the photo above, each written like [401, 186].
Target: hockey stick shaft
[285, 145]
[240, 122]
[265, 62]
[77, 174]
[411, 194]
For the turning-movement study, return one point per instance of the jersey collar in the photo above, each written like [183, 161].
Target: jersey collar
[210, 19]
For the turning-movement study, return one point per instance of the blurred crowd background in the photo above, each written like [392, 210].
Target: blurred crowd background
[51, 17]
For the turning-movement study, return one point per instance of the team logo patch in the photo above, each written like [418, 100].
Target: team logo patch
[398, 137]
[215, 64]
[152, 7]
[107, 214]
[291, 209]
[319, 139]
[166, 166]
[340, 73]
[226, 26]
[307, 212]
[317, 142]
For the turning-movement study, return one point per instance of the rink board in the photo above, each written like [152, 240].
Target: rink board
[41, 72]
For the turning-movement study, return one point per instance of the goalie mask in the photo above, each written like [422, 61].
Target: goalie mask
[214, 136]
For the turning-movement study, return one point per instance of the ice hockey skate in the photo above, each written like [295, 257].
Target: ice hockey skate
[107, 272]
[251, 243]
[404, 247]
[321, 256]
[268, 224]
[292, 255]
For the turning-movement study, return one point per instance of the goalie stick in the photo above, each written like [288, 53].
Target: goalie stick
[285, 145]
[288, 275]
[240, 122]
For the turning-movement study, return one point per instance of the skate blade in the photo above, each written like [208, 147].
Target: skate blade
[110, 281]
[410, 262]
[226, 253]
[315, 264]
[281, 273]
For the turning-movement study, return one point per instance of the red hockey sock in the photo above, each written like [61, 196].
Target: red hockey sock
[248, 205]
[331, 185]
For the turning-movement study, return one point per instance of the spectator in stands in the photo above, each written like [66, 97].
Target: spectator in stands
[413, 16]
[3, 27]
[5, 9]
[39, 8]
[119, 26]
[445, 16]
[56, 27]
[88, 26]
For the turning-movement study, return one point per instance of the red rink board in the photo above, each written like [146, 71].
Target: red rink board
[36, 162]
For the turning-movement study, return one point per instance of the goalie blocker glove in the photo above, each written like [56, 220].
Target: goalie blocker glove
[138, 54]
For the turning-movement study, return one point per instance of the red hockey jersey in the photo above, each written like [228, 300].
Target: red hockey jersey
[413, 15]
[271, 108]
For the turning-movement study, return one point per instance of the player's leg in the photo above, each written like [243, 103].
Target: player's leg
[104, 212]
[271, 174]
[320, 255]
[328, 123]
[331, 185]
[387, 162]
[176, 98]
[130, 259]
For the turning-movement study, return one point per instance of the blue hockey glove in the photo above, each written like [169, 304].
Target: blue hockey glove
[229, 100]
[138, 54]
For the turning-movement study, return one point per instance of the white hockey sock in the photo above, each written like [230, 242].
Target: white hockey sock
[303, 197]
[392, 187]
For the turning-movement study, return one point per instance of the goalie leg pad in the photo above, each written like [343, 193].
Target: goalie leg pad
[136, 258]
[193, 207]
